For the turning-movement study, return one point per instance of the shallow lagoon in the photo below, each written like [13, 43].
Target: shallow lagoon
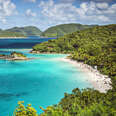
[41, 81]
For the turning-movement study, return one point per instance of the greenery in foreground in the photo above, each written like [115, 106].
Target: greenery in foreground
[96, 47]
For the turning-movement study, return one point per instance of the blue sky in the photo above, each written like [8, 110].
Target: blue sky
[46, 13]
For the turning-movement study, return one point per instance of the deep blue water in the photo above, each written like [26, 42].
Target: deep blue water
[41, 82]
[22, 43]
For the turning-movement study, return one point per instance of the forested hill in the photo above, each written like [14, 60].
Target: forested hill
[26, 31]
[63, 29]
[94, 46]
[10, 34]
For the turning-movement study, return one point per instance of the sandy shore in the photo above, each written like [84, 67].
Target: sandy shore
[99, 82]
[12, 37]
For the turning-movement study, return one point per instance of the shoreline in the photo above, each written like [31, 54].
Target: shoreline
[12, 37]
[99, 81]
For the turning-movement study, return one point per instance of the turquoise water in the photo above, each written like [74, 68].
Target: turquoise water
[41, 82]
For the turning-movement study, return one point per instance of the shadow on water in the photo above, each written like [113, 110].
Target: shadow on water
[10, 96]
[19, 45]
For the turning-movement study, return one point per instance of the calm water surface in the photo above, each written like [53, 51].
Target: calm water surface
[41, 81]
[22, 43]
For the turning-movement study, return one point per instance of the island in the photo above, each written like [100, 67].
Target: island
[14, 56]
[19, 32]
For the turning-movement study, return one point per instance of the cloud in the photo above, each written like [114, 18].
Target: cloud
[102, 5]
[58, 12]
[87, 12]
[7, 8]
[100, 1]
[31, 1]
[30, 13]
[67, 1]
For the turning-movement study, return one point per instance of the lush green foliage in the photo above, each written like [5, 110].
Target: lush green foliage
[63, 29]
[82, 103]
[97, 47]
[21, 110]
[86, 102]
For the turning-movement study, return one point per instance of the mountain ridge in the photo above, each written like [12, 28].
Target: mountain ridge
[63, 29]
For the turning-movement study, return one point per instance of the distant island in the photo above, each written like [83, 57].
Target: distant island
[63, 29]
[13, 56]
[20, 32]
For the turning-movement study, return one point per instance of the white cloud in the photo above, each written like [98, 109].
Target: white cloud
[58, 12]
[89, 12]
[102, 5]
[67, 1]
[30, 13]
[7, 8]
[31, 1]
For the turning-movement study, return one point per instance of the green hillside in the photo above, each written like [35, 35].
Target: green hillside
[94, 46]
[26, 31]
[11, 34]
[97, 47]
[64, 29]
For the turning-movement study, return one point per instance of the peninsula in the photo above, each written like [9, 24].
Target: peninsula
[94, 47]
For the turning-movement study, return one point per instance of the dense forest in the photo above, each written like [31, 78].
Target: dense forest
[63, 29]
[95, 46]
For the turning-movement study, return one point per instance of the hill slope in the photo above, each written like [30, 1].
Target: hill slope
[26, 31]
[63, 29]
[95, 46]
[10, 34]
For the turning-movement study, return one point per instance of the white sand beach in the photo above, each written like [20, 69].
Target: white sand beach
[99, 81]
[12, 37]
